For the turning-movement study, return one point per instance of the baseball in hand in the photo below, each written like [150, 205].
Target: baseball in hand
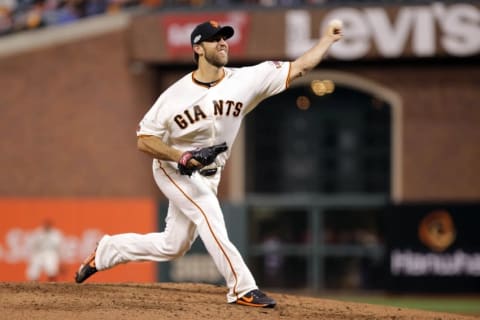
[336, 24]
[334, 30]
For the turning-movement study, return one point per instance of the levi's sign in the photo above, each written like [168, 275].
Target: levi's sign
[410, 31]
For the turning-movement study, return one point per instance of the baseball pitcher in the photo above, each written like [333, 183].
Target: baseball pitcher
[189, 132]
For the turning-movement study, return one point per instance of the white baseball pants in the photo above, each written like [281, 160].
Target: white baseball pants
[46, 261]
[193, 210]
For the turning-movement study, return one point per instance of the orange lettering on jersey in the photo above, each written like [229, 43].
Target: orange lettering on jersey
[218, 107]
[180, 121]
[238, 109]
[198, 113]
[229, 103]
[190, 119]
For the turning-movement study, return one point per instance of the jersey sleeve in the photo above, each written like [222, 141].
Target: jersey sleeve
[268, 78]
[154, 122]
[271, 77]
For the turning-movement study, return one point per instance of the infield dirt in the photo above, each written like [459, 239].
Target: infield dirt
[180, 301]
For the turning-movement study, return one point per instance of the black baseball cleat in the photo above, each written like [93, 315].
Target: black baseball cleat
[256, 298]
[87, 269]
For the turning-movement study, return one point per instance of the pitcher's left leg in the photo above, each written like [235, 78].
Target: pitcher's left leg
[173, 242]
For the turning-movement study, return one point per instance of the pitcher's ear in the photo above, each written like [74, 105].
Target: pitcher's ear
[197, 49]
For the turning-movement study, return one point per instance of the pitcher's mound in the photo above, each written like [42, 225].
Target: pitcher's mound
[179, 301]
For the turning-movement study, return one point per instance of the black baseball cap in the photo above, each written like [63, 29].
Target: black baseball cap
[208, 30]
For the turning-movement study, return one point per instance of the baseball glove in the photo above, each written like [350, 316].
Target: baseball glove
[204, 156]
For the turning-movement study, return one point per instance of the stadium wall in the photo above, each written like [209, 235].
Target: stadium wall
[69, 111]
[69, 115]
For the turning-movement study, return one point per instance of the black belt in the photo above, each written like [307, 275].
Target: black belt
[208, 172]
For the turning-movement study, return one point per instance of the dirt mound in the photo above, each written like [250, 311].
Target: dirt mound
[164, 301]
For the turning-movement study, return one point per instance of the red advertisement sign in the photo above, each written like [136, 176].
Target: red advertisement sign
[81, 222]
[177, 28]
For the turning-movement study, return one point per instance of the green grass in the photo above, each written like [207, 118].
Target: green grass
[453, 304]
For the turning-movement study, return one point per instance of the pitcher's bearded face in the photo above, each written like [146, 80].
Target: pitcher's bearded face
[216, 51]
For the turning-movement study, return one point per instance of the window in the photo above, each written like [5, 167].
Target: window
[335, 143]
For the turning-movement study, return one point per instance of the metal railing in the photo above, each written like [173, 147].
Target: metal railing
[317, 250]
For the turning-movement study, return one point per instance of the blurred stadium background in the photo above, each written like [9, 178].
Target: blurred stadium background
[362, 178]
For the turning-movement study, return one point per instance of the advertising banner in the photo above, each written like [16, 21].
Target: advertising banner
[434, 248]
[388, 32]
[178, 27]
[370, 32]
[81, 223]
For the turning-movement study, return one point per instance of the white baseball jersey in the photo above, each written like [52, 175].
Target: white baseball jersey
[186, 116]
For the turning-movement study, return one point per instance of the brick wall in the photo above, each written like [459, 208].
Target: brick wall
[441, 131]
[68, 120]
[69, 114]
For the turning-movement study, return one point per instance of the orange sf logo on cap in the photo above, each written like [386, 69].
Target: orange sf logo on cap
[214, 23]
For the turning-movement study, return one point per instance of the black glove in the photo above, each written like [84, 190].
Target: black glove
[205, 156]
